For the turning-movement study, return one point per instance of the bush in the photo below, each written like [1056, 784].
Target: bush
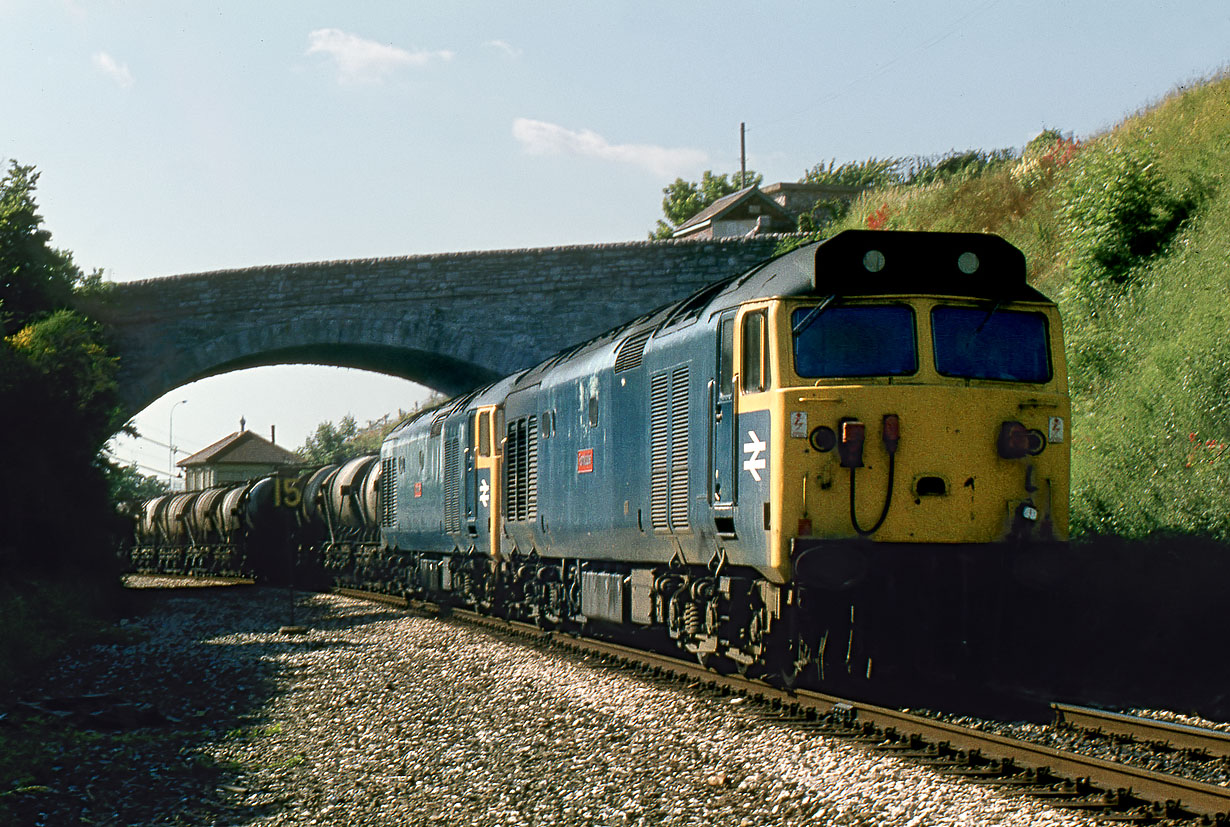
[1117, 213]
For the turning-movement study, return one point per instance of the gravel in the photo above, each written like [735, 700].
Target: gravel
[376, 716]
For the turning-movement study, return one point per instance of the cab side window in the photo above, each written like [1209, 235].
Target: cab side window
[484, 434]
[726, 356]
[755, 355]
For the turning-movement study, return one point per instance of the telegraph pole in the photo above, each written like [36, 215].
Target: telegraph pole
[742, 156]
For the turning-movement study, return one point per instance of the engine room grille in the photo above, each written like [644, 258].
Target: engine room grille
[668, 449]
[452, 487]
[679, 448]
[388, 492]
[631, 351]
[521, 469]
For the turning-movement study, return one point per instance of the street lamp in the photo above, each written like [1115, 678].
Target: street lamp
[171, 442]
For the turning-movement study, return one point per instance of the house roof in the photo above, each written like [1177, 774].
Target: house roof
[242, 448]
[727, 203]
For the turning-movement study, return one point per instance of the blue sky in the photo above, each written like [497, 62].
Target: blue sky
[178, 137]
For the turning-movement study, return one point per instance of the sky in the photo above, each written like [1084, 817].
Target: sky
[180, 137]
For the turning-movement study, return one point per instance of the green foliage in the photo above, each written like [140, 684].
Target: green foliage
[331, 443]
[955, 166]
[128, 487]
[684, 199]
[34, 277]
[57, 385]
[59, 395]
[869, 174]
[346, 440]
[874, 172]
[66, 351]
[1117, 212]
[1125, 231]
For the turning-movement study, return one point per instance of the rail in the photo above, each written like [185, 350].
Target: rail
[1146, 730]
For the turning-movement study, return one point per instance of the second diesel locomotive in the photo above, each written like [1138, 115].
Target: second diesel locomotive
[833, 466]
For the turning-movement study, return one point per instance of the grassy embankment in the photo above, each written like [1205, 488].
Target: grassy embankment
[1129, 231]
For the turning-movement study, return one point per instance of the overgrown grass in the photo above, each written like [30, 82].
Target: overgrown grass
[1130, 232]
[41, 620]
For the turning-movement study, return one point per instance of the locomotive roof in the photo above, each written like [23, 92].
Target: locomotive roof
[860, 263]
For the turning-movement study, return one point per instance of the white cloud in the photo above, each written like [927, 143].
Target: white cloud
[504, 46]
[540, 138]
[118, 72]
[363, 60]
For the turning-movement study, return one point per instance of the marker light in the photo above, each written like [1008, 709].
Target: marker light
[1015, 441]
[968, 263]
[853, 433]
[823, 439]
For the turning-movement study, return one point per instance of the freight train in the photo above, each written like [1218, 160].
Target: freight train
[836, 467]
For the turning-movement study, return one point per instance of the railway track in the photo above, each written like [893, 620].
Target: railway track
[1204, 742]
[1108, 789]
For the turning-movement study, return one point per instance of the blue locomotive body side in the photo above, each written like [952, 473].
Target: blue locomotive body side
[625, 453]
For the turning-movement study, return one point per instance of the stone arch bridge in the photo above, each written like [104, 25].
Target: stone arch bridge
[450, 321]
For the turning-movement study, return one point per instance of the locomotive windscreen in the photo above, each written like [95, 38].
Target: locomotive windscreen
[976, 343]
[855, 341]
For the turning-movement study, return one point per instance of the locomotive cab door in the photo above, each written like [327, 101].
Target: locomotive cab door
[471, 474]
[722, 491]
[487, 456]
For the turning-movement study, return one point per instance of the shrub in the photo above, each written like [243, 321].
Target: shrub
[1117, 213]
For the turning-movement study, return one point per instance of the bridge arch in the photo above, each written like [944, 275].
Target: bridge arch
[401, 350]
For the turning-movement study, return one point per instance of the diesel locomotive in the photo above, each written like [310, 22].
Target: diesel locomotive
[836, 467]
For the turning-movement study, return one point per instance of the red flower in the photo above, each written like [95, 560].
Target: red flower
[879, 218]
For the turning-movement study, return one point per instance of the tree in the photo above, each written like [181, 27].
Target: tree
[684, 199]
[330, 443]
[59, 396]
[34, 277]
[346, 440]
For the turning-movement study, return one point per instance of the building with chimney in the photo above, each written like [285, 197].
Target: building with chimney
[241, 456]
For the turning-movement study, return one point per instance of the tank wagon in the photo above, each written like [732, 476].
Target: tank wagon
[833, 465]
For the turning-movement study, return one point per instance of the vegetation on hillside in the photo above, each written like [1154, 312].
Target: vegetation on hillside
[336, 443]
[1126, 230]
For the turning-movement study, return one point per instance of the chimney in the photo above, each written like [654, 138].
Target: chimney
[273, 434]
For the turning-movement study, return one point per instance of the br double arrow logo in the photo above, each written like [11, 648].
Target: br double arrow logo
[755, 463]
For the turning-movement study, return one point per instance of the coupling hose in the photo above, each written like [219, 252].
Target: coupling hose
[888, 498]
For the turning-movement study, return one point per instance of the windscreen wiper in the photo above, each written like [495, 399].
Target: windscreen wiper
[994, 309]
[806, 321]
